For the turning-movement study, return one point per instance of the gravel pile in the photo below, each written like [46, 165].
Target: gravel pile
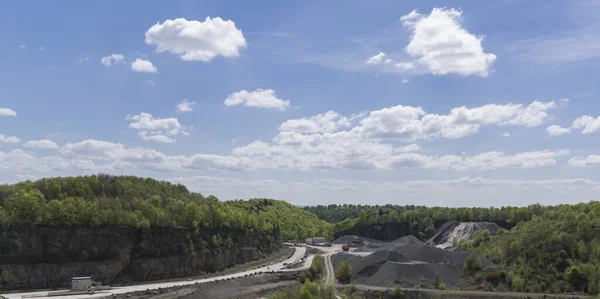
[409, 274]
[388, 268]
[355, 240]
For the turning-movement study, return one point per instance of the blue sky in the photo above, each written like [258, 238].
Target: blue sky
[410, 102]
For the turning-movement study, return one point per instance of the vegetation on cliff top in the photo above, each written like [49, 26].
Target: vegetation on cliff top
[145, 202]
[421, 219]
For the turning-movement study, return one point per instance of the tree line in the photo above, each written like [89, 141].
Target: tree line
[144, 203]
[421, 219]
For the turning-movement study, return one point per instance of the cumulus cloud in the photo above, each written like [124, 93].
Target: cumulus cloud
[259, 98]
[117, 156]
[412, 123]
[377, 59]
[144, 66]
[196, 40]
[42, 144]
[587, 124]
[557, 130]
[404, 66]
[591, 160]
[112, 59]
[7, 112]
[9, 139]
[186, 106]
[155, 128]
[506, 134]
[320, 123]
[441, 44]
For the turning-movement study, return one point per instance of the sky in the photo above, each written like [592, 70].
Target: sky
[453, 103]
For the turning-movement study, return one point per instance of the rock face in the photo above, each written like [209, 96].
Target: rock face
[460, 231]
[383, 232]
[35, 257]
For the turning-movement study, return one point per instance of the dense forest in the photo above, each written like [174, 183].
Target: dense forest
[557, 251]
[145, 202]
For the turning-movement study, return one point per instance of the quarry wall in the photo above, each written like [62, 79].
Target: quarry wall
[40, 257]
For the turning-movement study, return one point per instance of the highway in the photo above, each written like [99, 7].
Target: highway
[278, 267]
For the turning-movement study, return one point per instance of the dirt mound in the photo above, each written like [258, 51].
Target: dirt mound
[460, 231]
[355, 240]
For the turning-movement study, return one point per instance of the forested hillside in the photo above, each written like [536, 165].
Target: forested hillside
[557, 251]
[144, 202]
[420, 219]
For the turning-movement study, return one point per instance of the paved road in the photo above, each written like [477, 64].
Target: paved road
[296, 258]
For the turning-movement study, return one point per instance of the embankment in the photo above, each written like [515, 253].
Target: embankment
[39, 257]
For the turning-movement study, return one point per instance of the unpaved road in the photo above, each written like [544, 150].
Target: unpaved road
[329, 273]
[296, 258]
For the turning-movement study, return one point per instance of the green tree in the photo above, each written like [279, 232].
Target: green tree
[343, 272]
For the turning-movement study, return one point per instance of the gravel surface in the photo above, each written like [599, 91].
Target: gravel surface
[355, 240]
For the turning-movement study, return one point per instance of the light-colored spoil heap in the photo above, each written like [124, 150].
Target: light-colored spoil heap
[460, 231]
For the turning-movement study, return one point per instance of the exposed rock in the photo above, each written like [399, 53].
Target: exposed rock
[35, 257]
[460, 231]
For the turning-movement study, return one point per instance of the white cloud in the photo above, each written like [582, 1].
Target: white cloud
[112, 59]
[555, 130]
[506, 134]
[404, 81]
[151, 82]
[591, 160]
[9, 139]
[116, 156]
[320, 123]
[259, 98]
[141, 65]
[186, 106]
[441, 45]
[412, 123]
[83, 59]
[460, 192]
[404, 66]
[155, 128]
[23, 46]
[7, 112]
[196, 40]
[42, 144]
[377, 59]
[157, 137]
[587, 123]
